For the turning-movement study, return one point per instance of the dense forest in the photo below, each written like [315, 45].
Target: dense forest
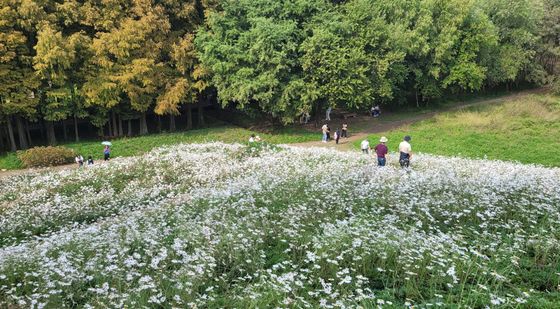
[116, 65]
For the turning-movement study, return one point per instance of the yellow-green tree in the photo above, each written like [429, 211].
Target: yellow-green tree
[18, 82]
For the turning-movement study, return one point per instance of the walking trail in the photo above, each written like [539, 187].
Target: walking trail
[362, 126]
[359, 128]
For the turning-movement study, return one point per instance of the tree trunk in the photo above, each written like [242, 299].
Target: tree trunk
[76, 133]
[21, 133]
[129, 127]
[51, 136]
[171, 123]
[417, 103]
[189, 117]
[121, 132]
[143, 124]
[2, 145]
[13, 146]
[64, 130]
[109, 128]
[159, 123]
[43, 130]
[115, 127]
[28, 133]
[201, 122]
[317, 113]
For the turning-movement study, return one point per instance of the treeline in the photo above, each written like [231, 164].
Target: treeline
[109, 62]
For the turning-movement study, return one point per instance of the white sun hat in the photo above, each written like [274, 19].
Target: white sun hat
[383, 139]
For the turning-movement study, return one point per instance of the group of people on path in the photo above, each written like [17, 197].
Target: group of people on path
[106, 156]
[254, 138]
[375, 111]
[80, 160]
[338, 134]
[381, 151]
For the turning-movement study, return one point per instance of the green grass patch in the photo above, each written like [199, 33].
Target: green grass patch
[125, 147]
[522, 130]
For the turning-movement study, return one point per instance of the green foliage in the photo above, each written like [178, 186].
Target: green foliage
[124, 59]
[516, 24]
[46, 156]
[17, 79]
[252, 51]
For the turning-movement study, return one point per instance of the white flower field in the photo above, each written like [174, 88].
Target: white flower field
[217, 225]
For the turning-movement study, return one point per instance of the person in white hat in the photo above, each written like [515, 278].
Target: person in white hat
[381, 151]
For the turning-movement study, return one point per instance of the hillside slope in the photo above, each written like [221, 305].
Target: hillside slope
[218, 225]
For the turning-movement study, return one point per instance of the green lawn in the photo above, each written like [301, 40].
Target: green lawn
[125, 147]
[524, 130]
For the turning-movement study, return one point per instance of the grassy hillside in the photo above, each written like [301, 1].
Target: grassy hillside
[269, 227]
[524, 130]
[125, 147]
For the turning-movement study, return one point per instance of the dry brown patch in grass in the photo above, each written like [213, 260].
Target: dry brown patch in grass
[538, 107]
[505, 116]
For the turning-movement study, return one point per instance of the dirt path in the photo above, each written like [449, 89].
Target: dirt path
[368, 125]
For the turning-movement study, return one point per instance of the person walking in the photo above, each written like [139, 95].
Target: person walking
[337, 135]
[328, 133]
[324, 129]
[344, 130]
[328, 114]
[405, 152]
[381, 151]
[365, 146]
[107, 153]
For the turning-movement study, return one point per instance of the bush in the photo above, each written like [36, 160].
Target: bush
[46, 156]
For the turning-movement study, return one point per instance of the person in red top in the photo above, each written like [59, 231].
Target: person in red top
[381, 151]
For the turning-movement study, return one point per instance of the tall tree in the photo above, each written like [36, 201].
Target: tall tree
[126, 65]
[516, 23]
[548, 52]
[182, 74]
[251, 49]
[55, 62]
[18, 83]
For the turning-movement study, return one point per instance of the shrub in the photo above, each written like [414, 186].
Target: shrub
[46, 156]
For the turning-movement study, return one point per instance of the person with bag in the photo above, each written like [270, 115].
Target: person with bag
[337, 135]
